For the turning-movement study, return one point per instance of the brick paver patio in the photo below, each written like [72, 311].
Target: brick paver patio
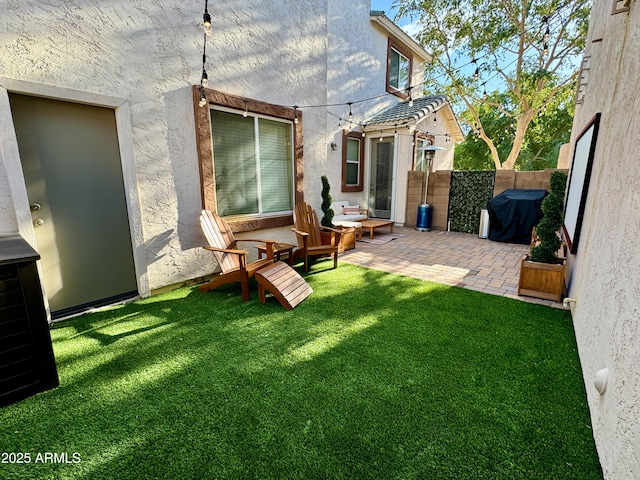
[457, 259]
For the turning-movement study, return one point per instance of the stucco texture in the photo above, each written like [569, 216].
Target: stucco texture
[142, 59]
[147, 55]
[605, 279]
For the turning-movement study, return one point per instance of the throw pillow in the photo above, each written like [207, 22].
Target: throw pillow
[351, 210]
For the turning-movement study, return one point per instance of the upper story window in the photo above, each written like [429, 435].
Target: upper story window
[399, 67]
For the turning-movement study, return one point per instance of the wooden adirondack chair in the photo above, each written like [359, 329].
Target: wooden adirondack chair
[307, 231]
[232, 261]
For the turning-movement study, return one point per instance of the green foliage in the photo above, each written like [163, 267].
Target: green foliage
[470, 192]
[327, 218]
[502, 42]
[374, 376]
[546, 134]
[549, 226]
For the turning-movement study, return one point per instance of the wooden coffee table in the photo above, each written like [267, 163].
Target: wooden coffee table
[372, 225]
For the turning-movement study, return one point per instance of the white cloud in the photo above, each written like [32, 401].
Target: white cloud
[412, 29]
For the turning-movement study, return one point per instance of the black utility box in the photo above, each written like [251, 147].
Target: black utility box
[27, 364]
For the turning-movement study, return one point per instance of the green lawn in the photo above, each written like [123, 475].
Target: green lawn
[372, 376]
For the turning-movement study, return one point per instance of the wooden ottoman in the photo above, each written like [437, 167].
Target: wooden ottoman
[284, 283]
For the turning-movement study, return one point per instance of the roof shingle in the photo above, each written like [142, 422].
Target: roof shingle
[402, 112]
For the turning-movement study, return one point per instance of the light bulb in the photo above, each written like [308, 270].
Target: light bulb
[205, 78]
[206, 21]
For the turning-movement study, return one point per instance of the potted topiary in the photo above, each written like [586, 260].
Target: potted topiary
[348, 237]
[542, 270]
[327, 218]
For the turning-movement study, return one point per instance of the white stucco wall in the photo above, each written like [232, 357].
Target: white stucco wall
[142, 59]
[356, 70]
[605, 273]
[357, 63]
[149, 56]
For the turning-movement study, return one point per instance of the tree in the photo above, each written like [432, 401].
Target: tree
[531, 48]
[540, 148]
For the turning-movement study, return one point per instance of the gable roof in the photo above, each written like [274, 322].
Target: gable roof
[379, 17]
[402, 114]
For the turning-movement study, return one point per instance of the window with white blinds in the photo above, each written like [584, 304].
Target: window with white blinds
[253, 163]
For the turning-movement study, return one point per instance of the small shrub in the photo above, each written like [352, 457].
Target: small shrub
[548, 228]
[327, 218]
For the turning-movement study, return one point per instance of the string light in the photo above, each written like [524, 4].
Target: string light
[246, 112]
[204, 80]
[206, 20]
[204, 83]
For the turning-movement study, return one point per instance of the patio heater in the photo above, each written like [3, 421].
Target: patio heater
[425, 213]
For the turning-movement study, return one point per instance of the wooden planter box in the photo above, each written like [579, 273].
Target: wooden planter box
[541, 280]
[347, 238]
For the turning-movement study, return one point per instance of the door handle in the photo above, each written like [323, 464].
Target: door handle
[35, 207]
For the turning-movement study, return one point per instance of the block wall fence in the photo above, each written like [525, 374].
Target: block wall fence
[439, 188]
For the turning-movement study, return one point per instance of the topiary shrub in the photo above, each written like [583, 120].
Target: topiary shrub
[327, 219]
[549, 226]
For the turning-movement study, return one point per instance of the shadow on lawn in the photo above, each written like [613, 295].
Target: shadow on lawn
[372, 376]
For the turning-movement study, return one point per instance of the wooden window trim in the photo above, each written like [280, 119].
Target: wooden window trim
[396, 46]
[205, 153]
[360, 186]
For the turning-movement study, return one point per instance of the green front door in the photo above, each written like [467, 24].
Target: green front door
[71, 162]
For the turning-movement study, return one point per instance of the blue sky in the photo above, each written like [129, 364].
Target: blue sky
[390, 11]
[411, 27]
[384, 5]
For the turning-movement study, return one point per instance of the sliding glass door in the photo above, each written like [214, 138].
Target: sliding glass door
[381, 178]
